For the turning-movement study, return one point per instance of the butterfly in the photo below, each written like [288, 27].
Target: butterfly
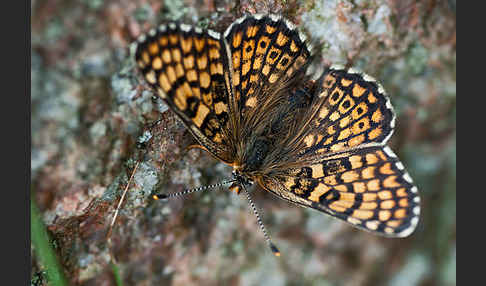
[247, 98]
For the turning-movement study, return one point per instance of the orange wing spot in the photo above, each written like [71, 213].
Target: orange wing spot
[330, 180]
[368, 173]
[362, 214]
[402, 192]
[400, 213]
[171, 74]
[359, 110]
[237, 40]
[196, 92]
[371, 159]
[157, 63]
[202, 112]
[180, 99]
[166, 56]
[220, 107]
[368, 206]
[344, 134]
[176, 55]
[164, 82]
[356, 140]
[317, 171]
[236, 81]
[344, 121]
[270, 29]
[216, 68]
[245, 68]
[251, 31]
[236, 60]
[346, 104]
[317, 192]
[266, 70]
[329, 81]
[377, 116]
[251, 102]
[369, 197]
[262, 45]
[334, 116]
[217, 138]
[191, 75]
[373, 185]
[348, 197]
[150, 77]
[336, 95]
[338, 147]
[173, 39]
[388, 204]
[394, 223]
[248, 50]
[273, 78]
[358, 90]
[361, 125]
[293, 47]
[384, 215]
[346, 82]
[359, 187]
[391, 182]
[189, 62]
[214, 54]
[341, 188]
[179, 70]
[204, 79]
[272, 55]
[145, 57]
[349, 176]
[282, 39]
[403, 203]
[199, 44]
[207, 99]
[385, 195]
[186, 44]
[373, 225]
[323, 112]
[375, 133]
[202, 62]
[153, 48]
[163, 41]
[381, 155]
[372, 98]
[386, 169]
[309, 140]
[284, 62]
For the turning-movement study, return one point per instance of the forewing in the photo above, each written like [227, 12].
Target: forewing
[267, 53]
[368, 188]
[186, 67]
[350, 111]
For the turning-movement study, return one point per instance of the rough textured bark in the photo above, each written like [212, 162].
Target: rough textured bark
[93, 120]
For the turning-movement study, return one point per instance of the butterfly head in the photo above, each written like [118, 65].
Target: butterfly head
[240, 180]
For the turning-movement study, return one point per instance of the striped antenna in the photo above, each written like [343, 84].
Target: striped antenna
[274, 249]
[186, 192]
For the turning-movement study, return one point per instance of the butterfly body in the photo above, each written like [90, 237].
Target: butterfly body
[245, 96]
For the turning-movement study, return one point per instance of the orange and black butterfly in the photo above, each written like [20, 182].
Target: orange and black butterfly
[246, 98]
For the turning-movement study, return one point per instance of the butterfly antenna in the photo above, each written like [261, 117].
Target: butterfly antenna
[274, 249]
[186, 192]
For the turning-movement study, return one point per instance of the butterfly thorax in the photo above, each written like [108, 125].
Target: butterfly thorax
[266, 143]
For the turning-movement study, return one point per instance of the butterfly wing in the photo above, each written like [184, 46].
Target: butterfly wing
[340, 164]
[367, 187]
[185, 66]
[267, 54]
